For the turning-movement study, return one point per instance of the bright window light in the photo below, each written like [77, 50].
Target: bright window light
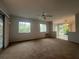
[24, 27]
[43, 28]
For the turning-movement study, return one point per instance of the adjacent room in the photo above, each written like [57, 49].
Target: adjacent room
[39, 29]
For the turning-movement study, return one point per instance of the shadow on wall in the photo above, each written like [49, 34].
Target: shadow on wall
[51, 35]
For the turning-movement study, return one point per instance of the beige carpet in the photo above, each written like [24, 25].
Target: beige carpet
[42, 49]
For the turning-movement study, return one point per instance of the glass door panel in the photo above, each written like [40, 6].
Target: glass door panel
[1, 32]
[62, 31]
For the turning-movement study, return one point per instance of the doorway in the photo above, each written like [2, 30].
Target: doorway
[62, 31]
[1, 31]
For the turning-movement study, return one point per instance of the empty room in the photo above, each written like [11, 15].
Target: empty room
[39, 29]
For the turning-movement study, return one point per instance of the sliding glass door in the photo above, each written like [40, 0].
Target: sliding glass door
[1, 31]
[62, 31]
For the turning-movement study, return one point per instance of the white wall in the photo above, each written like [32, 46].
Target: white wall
[35, 30]
[74, 36]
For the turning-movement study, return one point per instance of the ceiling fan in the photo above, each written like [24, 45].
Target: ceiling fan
[45, 15]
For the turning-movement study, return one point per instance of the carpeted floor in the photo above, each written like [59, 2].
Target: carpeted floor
[42, 49]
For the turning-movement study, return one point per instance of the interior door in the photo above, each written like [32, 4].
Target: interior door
[1, 31]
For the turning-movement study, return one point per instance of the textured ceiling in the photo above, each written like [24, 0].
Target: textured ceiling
[34, 8]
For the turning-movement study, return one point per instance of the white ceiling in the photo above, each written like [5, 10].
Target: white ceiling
[34, 8]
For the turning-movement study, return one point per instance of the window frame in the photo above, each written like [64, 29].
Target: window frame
[26, 30]
[45, 28]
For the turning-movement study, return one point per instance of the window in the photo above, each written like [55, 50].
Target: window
[42, 27]
[24, 27]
